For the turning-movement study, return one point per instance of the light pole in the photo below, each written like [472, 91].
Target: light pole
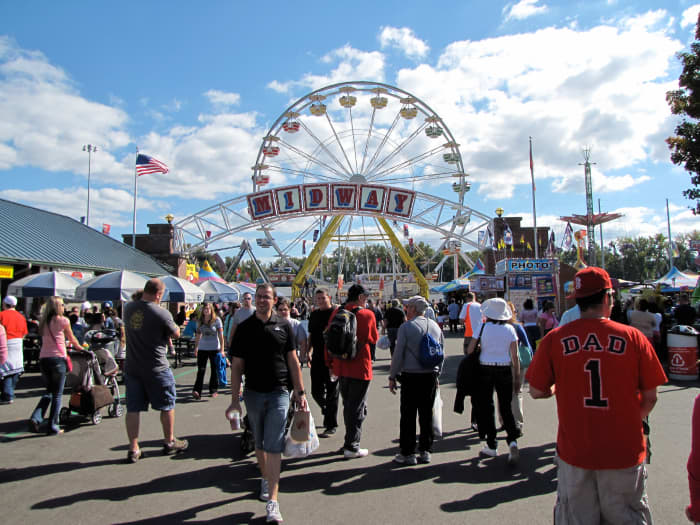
[90, 150]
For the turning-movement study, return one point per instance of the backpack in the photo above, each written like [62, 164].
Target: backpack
[340, 335]
[430, 353]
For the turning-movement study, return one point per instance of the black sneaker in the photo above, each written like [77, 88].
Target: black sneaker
[175, 447]
[133, 456]
[328, 432]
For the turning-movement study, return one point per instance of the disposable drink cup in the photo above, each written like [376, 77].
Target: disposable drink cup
[234, 418]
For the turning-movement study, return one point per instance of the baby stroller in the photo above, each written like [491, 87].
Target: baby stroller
[107, 346]
[92, 388]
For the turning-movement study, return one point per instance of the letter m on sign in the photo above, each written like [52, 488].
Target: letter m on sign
[261, 205]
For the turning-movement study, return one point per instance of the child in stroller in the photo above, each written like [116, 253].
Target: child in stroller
[93, 380]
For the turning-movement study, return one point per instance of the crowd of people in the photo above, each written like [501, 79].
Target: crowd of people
[603, 373]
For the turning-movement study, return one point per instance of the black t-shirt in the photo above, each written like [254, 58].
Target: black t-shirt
[684, 314]
[318, 321]
[394, 317]
[264, 346]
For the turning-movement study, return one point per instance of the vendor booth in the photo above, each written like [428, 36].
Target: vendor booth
[535, 279]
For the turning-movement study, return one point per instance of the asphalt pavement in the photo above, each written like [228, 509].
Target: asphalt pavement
[81, 476]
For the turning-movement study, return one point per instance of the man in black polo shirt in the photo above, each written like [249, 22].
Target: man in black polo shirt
[323, 389]
[263, 349]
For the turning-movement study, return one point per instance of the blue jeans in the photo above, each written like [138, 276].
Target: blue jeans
[8, 387]
[267, 414]
[53, 371]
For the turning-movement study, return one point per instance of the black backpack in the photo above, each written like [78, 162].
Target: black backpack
[340, 335]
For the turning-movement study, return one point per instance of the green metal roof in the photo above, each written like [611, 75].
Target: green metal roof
[32, 235]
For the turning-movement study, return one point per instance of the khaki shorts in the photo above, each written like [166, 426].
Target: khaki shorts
[615, 496]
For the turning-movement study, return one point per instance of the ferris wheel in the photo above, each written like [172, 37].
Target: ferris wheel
[362, 133]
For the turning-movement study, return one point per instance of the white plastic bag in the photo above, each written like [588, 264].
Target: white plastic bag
[437, 415]
[293, 449]
[384, 343]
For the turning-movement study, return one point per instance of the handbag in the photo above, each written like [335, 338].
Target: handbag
[472, 367]
[525, 355]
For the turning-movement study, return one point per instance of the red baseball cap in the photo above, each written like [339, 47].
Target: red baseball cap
[590, 281]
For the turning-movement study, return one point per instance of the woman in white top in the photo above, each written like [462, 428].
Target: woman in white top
[209, 342]
[499, 371]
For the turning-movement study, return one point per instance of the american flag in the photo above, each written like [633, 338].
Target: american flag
[146, 165]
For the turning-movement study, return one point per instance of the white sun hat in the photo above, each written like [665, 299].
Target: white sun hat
[496, 309]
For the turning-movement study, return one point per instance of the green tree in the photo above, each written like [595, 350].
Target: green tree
[685, 101]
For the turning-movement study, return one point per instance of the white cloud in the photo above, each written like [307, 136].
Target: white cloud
[45, 121]
[523, 9]
[106, 204]
[690, 16]
[496, 92]
[404, 39]
[222, 99]
[352, 64]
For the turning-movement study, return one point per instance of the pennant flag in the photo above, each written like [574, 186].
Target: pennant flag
[146, 165]
[106, 228]
[568, 236]
[208, 233]
[303, 247]
[529, 247]
[405, 230]
[479, 266]
[550, 247]
[674, 249]
[508, 236]
[315, 235]
[323, 221]
[522, 239]
[481, 238]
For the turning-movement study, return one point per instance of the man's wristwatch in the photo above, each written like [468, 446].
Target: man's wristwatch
[301, 393]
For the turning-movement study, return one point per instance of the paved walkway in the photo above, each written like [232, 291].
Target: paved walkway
[80, 477]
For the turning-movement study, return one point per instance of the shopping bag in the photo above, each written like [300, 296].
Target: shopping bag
[292, 449]
[437, 415]
[299, 429]
[384, 343]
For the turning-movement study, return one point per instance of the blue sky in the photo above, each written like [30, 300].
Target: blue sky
[198, 87]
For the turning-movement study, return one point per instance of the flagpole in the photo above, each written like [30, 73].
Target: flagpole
[534, 212]
[670, 243]
[133, 228]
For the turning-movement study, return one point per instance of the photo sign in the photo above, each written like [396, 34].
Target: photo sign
[319, 198]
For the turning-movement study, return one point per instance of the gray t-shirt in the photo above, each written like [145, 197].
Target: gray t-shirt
[241, 315]
[148, 327]
[209, 339]
[405, 358]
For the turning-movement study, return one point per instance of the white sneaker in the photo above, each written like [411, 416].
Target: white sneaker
[359, 453]
[487, 451]
[424, 457]
[264, 490]
[273, 512]
[405, 460]
[514, 454]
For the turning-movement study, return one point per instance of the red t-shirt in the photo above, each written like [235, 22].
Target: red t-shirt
[600, 368]
[361, 366]
[15, 324]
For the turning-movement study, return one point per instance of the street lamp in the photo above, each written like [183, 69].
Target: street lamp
[90, 150]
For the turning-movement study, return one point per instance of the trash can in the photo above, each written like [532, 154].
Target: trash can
[682, 344]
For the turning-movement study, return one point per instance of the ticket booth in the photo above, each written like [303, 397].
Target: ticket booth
[535, 279]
